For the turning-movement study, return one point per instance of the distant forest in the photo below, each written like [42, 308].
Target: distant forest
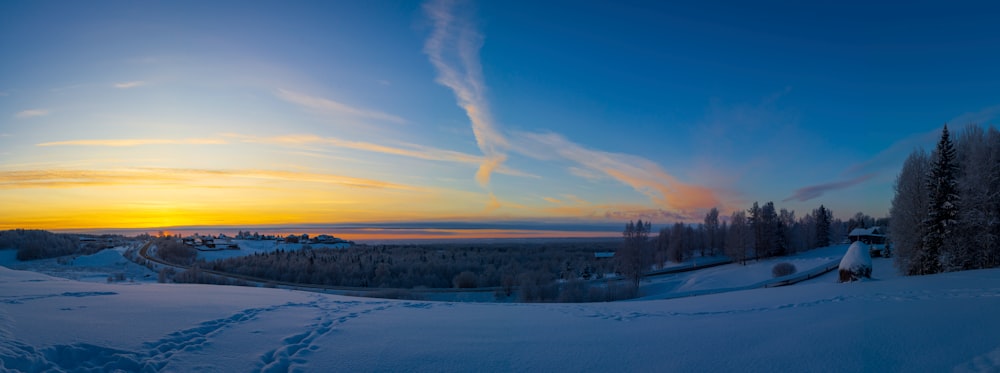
[534, 268]
[34, 244]
[566, 271]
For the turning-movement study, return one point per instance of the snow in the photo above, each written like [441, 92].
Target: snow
[96, 267]
[927, 323]
[857, 257]
[250, 247]
[735, 276]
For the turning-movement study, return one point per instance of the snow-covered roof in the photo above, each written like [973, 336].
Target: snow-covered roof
[873, 231]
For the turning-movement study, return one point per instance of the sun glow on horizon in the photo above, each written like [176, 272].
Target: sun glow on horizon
[157, 114]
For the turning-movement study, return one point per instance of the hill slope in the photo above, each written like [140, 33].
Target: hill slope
[930, 323]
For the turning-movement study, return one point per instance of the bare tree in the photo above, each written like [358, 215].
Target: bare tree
[634, 257]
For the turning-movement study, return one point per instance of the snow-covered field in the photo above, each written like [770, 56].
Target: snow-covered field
[931, 323]
[250, 247]
[735, 276]
[95, 267]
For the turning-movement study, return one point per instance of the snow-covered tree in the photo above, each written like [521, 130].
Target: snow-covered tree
[908, 211]
[711, 229]
[753, 219]
[786, 220]
[976, 241]
[942, 213]
[634, 257]
[771, 237]
[822, 217]
[739, 237]
[680, 243]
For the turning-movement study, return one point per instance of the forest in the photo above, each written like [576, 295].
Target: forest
[945, 213]
[533, 268]
[550, 271]
[32, 244]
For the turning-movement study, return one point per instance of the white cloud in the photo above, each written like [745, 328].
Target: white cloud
[134, 142]
[453, 49]
[323, 104]
[31, 113]
[406, 150]
[132, 84]
[641, 174]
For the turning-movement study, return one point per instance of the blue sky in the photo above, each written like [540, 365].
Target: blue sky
[201, 113]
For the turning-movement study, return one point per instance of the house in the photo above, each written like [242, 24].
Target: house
[874, 237]
[325, 238]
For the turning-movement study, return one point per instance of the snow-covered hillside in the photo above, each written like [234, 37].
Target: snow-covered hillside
[97, 267]
[930, 323]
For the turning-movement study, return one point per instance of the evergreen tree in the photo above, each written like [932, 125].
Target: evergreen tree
[978, 186]
[679, 243]
[754, 223]
[771, 236]
[822, 217]
[739, 237]
[711, 227]
[942, 213]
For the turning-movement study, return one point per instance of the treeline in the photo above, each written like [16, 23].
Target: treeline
[945, 214]
[537, 271]
[174, 251]
[32, 244]
[38, 244]
[757, 233]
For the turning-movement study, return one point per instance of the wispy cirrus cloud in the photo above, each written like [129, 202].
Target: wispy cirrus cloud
[404, 150]
[134, 142]
[815, 191]
[132, 84]
[891, 158]
[981, 117]
[883, 165]
[453, 50]
[30, 113]
[407, 150]
[639, 173]
[552, 200]
[323, 104]
[587, 173]
[617, 212]
[72, 178]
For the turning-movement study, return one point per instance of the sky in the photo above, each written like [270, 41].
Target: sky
[190, 113]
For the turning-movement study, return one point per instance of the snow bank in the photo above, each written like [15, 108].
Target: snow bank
[856, 264]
